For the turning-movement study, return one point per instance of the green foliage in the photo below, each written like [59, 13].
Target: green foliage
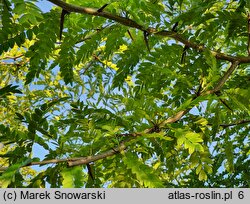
[127, 92]
[12, 176]
[8, 89]
[143, 173]
[72, 177]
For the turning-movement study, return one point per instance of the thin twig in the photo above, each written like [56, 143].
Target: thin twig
[3, 169]
[232, 124]
[12, 57]
[109, 153]
[223, 79]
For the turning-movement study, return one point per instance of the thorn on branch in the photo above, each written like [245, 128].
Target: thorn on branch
[116, 151]
[7, 5]
[184, 53]
[64, 12]
[130, 35]
[146, 34]
[218, 93]
[102, 8]
[174, 29]
[90, 171]
[155, 129]
[198, 92]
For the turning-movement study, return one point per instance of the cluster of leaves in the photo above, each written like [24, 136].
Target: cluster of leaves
[107, 82]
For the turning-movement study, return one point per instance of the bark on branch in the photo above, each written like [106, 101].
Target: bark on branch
[97, 12]
[131, 23]
[109, 153]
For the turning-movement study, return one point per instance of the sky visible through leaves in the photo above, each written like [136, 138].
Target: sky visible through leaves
[96, 88]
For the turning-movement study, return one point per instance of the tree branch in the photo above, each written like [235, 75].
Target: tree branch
[175, 118]
[3, 168]
[52, 161]
[85, 160]
[233, 124]
[109, 153]
[95, 12]
[12, 57]
[223, 80]
[131, 23]
[218, 86]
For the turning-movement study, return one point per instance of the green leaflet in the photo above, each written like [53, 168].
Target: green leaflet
[7, 90]
[190, 140]
[202, 164]
[144, 173]
[229, 151]
[213, 74]
[72, 177]
[201, 121]
[46, 106]
[68, 179]
[241, 104]
[160, 135]
[216, 121]
[189, 103]
[202, 175]
[210, 59]
[7, 177]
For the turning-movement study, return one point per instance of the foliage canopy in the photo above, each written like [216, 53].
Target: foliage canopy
[127, 93]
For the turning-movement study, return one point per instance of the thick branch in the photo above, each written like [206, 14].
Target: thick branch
[131, 23]
[95, 12]
[123, 145]
[109, 153]
[175, 118]
[83, 160]
[52, 161]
